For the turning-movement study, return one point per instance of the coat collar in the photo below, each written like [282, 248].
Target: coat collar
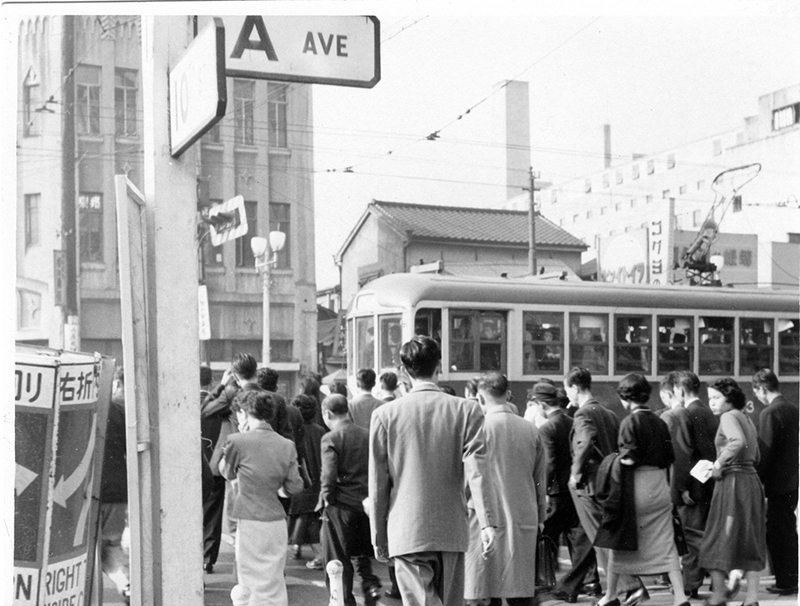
[425, 386]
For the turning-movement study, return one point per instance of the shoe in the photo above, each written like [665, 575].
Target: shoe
[782, 590]
[637, 596]
[208, 567]
[297, 552]
[394, 592]
[593, 589]
[565, 596]
[695, 593]
[315, 564]
[686, 603]
[372, 595]
[733, 588]
[614, 602]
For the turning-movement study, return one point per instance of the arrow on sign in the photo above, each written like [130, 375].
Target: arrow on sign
[66, 487]
[23, 479]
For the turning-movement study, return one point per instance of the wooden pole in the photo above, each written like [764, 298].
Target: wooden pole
[170, 191]
[532, 226]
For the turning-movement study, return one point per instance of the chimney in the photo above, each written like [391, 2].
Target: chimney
[518, 138]
[606, 145]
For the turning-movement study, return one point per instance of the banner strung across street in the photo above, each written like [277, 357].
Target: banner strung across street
[61, 405]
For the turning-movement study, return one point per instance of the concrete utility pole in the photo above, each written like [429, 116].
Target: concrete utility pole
[69, 237]
[532, 224]
[175, 575]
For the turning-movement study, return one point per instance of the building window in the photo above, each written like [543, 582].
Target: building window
[651, 167]
[276, 107]
[280, 220]
[737, 204]
[90, 219]
[665, 194]
[125, 89]
[587, 186]
[30, 99]
[602, 210]
[635, 171]
[696, 218]
[87, 99]
[794, 238]
[717, 147]
[785, 116]
[670, 161]
[32, 207]
[244, 254]
[617, 206]
[574, 218]
[588, 214]
[633, 202]
[619, 177]
[214, 135]
[682, 189]
[243, 101]
[606, 181]
[648, 199]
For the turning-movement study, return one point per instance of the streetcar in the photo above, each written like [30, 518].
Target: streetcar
[530, 328]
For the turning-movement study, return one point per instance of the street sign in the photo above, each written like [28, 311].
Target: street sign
[197, 89]
[236, 227]
[343, 50]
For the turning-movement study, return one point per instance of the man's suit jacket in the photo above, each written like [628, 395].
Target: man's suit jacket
[593, 436]
[703, 431]
[422, 448]
[361, 407]
[777, 438]
[345, 459]
[555, 438]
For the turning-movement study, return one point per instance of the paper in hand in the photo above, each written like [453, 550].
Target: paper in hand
[702, 470]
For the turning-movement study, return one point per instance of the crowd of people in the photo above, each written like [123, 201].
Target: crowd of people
[455, 494]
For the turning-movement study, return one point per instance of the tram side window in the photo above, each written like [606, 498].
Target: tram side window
[755, 345]
[543, 347]
[428, 322]
[588, 342]
[391, 335]
[675, 351]
[477, 340]
[632, 344]
[789, 347]
[716, 345]
[365, 343]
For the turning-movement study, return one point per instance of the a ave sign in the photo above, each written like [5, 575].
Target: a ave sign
[197, 88]
[342, 50]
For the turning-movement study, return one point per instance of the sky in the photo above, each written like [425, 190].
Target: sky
[660, 80]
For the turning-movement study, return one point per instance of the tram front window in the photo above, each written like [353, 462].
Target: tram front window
[391, 335]
[365, 343]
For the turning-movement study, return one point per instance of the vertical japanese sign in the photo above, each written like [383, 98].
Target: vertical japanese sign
[61, 403]
[660, 241]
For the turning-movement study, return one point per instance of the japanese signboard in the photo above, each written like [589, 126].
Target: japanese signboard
[61, 403]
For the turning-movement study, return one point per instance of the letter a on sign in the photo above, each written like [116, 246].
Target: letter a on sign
[244, 42]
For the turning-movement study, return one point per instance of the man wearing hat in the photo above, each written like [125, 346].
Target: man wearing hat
[561, 517]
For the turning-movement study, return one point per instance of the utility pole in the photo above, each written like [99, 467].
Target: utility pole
[69, 236]
[532, 223]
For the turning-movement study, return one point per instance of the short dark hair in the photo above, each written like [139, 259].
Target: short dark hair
[494, 383]
[634, 388]
[244, 365]
[268, 379]
[420, 356]
[206, 376]
[669, 381]
[258, 404]
[766, 378]
[472, 385]
[561, 397]
[365, 378]
[310, 386]
[731, 391]
[336, 404]
[579, 377]
[337, 387]
[389, 381]
[448, 389]
[687, 381]
[307, 405]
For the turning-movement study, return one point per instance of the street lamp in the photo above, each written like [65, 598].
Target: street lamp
[262, 249]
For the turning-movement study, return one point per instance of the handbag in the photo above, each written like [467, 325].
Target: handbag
[677, 531]
[546, 562]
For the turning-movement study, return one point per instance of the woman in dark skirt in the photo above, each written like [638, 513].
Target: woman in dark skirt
[304, 522]
[645, 447]
[735, 536]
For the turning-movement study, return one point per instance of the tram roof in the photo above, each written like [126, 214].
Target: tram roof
[407, 290]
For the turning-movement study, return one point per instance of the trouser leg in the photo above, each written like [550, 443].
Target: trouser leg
[431, 578]
[693, 518]
[335, 547]
[782, 538]
[213, 508]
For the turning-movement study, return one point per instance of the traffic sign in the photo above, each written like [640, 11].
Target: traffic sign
[343, 50]
[197, 89]
[234, 227]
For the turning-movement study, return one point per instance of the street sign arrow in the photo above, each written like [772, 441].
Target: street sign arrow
[66, 487]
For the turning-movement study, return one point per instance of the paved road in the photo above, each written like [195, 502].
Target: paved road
[307, 587]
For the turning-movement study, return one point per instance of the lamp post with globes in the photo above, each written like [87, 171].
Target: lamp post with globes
[265, 251]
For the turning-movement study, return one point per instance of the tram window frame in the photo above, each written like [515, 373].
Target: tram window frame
[431, 317]
[538, 354]
[578, 346]
[474, 341]
[721, 363]
[671, 353]
[361, 361]
[639, 351]
[754, 353]
[351, 340]
[788, 346]
[389, 340]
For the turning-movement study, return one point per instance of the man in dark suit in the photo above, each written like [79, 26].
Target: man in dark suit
[561, 517]
[778, 442]
[345, 526]
[423, 447]
[214, 502]
[364, 403]
[693, 428]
